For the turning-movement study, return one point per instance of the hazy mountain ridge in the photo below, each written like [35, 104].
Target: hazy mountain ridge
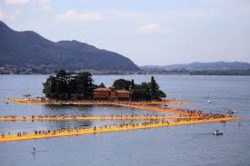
[201, 66]
[28, 49]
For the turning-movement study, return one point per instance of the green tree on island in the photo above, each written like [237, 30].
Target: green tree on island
[147, 91]
[156, 93]
[102, 85]
[132, 86]
[122, 84]
[64, 86]
[50, 87]
[85, 85]
[153, 88]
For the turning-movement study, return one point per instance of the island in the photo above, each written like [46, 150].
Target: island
[66, 86]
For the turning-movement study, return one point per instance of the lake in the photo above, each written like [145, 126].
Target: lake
[190, 145]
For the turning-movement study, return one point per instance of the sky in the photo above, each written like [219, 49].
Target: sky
[149, 32]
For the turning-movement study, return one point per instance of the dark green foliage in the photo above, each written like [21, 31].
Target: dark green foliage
[122, 84]
[64, 86]
[85, 85]
[153, 88]
[132, 84]
[102, 85]
[50, 87]
[140, 95]
[161, 94]
[146, 91]
[156, 94]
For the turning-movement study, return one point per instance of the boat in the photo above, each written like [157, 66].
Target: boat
[26, 94]
[209, 101]
[217, 132]
[34, 151]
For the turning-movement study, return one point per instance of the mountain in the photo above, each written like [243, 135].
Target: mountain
[27, 49]
[202, 66]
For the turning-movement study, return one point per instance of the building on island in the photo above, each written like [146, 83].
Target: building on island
[122, 94]
[111, 94]
[102, 93]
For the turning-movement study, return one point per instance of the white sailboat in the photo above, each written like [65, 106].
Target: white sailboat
[26, 94]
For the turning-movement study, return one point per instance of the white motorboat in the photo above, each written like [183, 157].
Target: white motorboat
[217, 132]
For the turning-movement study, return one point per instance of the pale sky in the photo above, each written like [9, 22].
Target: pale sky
[155, 32]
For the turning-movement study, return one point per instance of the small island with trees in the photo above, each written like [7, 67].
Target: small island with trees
[66, 86]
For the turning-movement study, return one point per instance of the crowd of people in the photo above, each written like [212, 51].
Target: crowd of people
[108, 128]
[42, 100]
[83, 117]
[148, 120]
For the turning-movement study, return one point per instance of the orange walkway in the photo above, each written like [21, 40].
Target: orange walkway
[69, 118]
[153, 108]
[138, 105]
[187, 118]
[107, 129]
[86, 102]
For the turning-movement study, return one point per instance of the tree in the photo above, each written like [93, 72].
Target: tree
[140, 95]
[85, 85]
[64, 86]
[161, 94]
[73, 89]
[57, 87]
[122, 84]
[156, 93]
[153, 88]
[102, 85]
[61, 73]
[147, 91]
[132, 86]
[49, 87]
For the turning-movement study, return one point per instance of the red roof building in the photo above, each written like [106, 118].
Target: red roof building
[102, 93]
[111, 94]
[122, 94]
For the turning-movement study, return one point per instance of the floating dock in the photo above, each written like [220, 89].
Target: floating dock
[137, 105]
[186, 117]
[49, 134]
[79, 118]
[41, 101]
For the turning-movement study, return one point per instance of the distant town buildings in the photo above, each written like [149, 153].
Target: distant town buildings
[111, 94]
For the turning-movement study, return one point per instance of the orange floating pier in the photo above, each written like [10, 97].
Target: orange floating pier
[77, 118]
[72, 132]
[42, 101]
[138, 105]
[153, 108]
[186, 118]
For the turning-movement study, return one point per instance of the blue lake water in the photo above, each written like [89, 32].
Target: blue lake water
[183, 145]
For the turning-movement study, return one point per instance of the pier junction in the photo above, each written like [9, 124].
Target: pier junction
[183, 117]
